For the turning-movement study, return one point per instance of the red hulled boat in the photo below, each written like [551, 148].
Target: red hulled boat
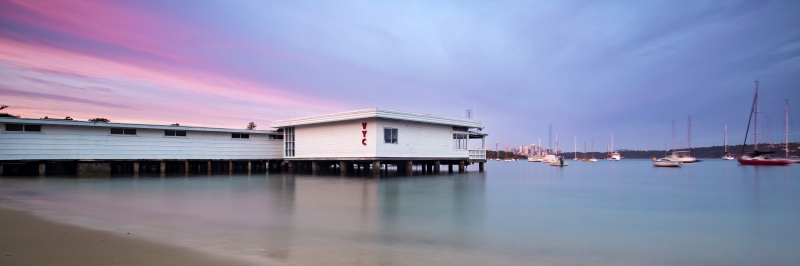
[757, 157]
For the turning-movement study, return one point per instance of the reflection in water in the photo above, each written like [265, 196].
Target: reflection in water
[604, 213]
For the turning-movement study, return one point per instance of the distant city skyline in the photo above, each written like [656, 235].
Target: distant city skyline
[592, 69]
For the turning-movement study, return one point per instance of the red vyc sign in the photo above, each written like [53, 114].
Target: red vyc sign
[364, 133]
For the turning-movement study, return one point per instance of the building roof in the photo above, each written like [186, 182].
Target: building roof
[123, 125]
[375, 113]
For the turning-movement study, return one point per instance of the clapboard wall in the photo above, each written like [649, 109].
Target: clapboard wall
[343, 140]
[336, 140]
[418, 140]
[68, 142]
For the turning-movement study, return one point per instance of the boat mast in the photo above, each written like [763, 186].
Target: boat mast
[584, 149]
[689, 137]
[612, 141]
[575, 144]
[726, 138]
[787, 129]
[556, 151]
[749, 119]
[673, 135]
[755, 119]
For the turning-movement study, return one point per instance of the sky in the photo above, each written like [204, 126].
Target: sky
[589, 68]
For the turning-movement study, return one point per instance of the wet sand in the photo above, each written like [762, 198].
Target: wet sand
[28, 240]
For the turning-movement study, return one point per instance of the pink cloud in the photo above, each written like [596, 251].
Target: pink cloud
[208, 90]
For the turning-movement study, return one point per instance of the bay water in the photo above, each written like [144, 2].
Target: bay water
[515, 213]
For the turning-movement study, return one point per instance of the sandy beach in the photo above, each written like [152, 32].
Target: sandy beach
[28, 240]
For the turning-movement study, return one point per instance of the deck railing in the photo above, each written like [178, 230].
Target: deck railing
[477, 154]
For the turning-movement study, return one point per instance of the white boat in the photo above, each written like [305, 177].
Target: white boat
[615, 156]
[593, 160]
[534, 159]
[667, 163]
[559, 162]
[549, 158]
[506, 160]
[681, 156]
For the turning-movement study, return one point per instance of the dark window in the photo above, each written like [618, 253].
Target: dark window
[275, 136]
[457, 128]
[174, 133]
[240, 136]
[36, 128]
[390, 135]
[14, 127]
[123, 131]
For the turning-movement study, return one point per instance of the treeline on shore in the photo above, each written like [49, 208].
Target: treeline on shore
[699, 152]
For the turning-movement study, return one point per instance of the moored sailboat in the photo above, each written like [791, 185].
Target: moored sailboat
[727, 155]
[757, 157]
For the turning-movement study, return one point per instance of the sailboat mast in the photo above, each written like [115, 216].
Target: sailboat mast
[787, 129]
[726, 138]
[575, 144]
[673, 135]
[755, 119]
[556, 151]
[612, 141]
[750, 118]
[689, 137]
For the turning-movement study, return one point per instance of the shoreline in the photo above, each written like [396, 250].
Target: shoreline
[29, 240]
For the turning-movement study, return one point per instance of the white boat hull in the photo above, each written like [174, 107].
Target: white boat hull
[666, 163]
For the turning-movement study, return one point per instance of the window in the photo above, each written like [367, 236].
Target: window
[288, 142]
[240, 136]
[123, 131]
[25, 128]
[460, 141]
[175, 133]
[275, 136]
[389, 135]
[457, 128]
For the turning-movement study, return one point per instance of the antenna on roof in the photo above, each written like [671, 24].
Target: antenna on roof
[468, 114]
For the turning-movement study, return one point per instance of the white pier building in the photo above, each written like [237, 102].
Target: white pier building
[381, 138]
[355, 140]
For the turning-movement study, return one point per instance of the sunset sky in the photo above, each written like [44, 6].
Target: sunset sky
[591, 68]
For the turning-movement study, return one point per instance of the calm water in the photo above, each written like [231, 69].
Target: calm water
[516, 213]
